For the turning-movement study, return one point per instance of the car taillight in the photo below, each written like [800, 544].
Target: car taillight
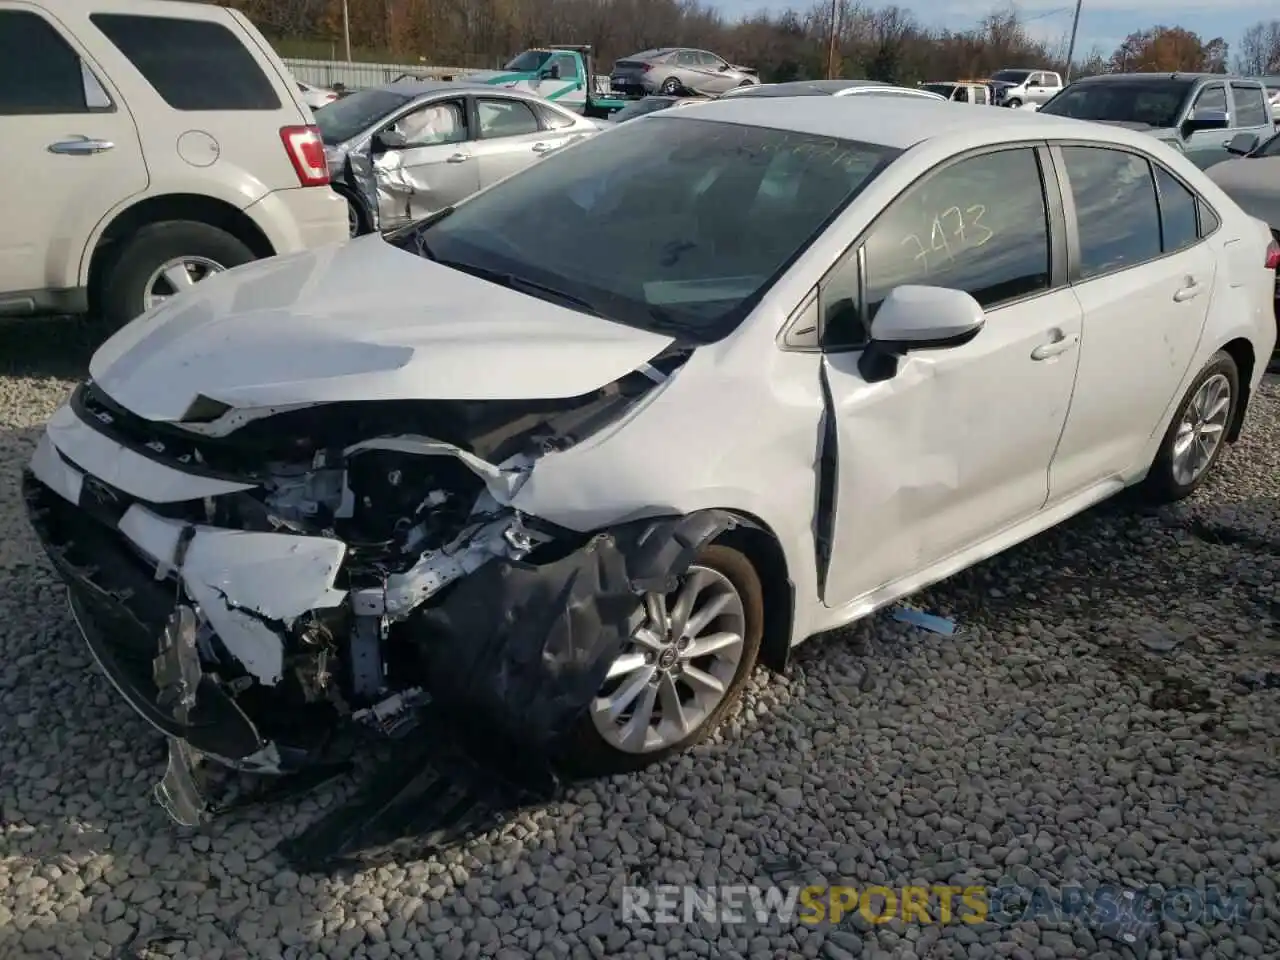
[330, 98]
[1273, 254]
[306, 152]
[646, 67]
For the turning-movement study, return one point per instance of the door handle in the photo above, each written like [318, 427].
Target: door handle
[80, 146]
[1060, 344]
[1192, 289]
[458, 158]
[543, 147]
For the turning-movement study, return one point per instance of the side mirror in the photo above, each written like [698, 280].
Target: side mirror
[389, 140]
[551, 73]
[1242, 144]
[915, 317]
[1205, 120]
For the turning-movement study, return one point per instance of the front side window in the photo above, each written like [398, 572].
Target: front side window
[505, 118]
[979, 225]
[434, 124]
[1212, 97]
[1251, 107]
[675, 225]
[1115, 201]
[191, 64]
[39, 72]
[565, 65]
[1154, 102]
[1014, 77]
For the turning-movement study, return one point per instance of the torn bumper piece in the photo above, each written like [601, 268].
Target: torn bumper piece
[524, 647]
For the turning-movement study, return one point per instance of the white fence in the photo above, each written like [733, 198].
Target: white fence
[325, 73]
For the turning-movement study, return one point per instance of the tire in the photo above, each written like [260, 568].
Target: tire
[670, 87]
[746, 83]
[1162, 483]
[357, 218]
[1013, 104]
[589, 754]
[126, 277]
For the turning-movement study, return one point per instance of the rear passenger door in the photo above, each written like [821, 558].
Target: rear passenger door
[70, 149]
[509, 137]
[1144, 278]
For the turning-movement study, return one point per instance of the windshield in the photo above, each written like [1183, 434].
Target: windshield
[343, 119]
[530, 61]
[1157, 103]
[641, 107]
[1014, 77]
[677, 225]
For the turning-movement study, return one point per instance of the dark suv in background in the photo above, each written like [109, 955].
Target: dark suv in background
[1197, 113]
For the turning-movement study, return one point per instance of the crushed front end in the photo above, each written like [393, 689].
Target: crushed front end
[251, 584]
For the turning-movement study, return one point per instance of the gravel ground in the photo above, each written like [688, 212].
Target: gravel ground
[1092, 723]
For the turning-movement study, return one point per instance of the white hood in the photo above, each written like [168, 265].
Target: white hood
[359, 321]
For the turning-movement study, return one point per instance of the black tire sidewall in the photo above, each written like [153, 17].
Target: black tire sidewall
[123, 286]
[1160, 484]
[1013, 104]
[587, 754]
[670, 86]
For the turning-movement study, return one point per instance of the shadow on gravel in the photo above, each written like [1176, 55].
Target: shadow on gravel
[1059, 577]
[47, 347]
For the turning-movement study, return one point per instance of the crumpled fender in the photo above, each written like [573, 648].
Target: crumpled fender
[525, 646]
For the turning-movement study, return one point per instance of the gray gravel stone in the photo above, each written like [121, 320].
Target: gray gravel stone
[1086, 727]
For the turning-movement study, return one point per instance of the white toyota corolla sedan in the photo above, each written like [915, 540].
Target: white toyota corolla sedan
[571, 458]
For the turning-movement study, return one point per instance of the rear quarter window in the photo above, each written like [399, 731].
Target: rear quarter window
[194, 65]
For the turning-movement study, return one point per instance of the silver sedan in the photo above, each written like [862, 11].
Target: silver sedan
[403, 151]
[676, 70]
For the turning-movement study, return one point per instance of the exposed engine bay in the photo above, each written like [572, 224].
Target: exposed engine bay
[356, 561]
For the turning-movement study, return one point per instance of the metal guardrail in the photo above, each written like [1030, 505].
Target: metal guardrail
[325, 73]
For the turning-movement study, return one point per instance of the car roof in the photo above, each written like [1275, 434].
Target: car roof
[419, 88]
[1157, 75]
[899, 122]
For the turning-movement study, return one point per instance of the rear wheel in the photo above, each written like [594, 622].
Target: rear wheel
[162, 260]
[682, 671]
[670, 86]
[1197, 433]
[1013, 104]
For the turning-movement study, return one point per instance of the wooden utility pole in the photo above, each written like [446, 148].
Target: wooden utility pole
[1071, 47]
[346, 29]
[831, 48]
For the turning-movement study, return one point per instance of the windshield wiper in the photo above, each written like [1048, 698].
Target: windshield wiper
[410, 236]
[513, 282]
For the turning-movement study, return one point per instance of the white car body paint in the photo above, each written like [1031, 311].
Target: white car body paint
[938, 469]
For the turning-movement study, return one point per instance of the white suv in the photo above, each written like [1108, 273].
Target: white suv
[148, 144]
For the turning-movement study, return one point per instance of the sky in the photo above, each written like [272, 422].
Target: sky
[1103, 23]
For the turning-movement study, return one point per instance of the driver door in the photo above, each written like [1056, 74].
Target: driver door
[716, 75]
[1204, 147]
[957, 446]
[432, 169]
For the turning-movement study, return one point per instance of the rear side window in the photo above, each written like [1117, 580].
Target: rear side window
[1115, 200]
[39, 72]
[1251, 107]
[192, 64]
[1177, 212]
[505, 118]
[553, 119]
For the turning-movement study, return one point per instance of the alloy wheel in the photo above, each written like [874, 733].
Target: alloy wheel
[1201, 429]
[176, 275]
[678, 666]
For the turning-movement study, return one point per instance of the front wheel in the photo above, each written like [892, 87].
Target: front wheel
[682, 671]
[1013, 104]
[1196, 435]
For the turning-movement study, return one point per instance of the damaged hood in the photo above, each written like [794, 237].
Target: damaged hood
[360, 321]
